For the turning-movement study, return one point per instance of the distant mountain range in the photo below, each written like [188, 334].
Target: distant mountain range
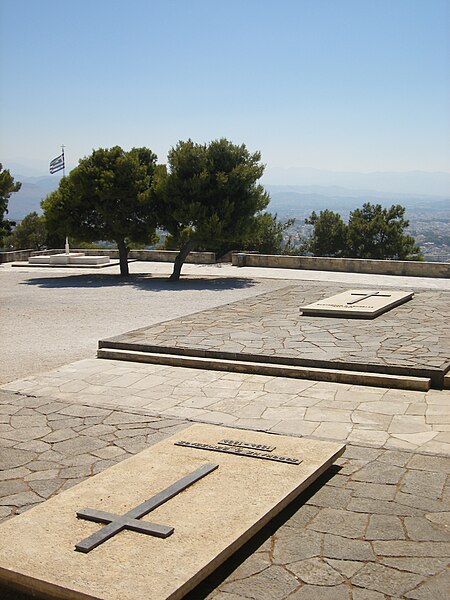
[410, 182]
[299, 201]
[340, 192]
[28, 198]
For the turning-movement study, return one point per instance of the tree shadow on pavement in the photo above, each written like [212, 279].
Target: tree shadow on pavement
[144, 282]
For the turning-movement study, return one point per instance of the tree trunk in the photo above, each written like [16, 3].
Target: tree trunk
[123, 257]
[179, 260]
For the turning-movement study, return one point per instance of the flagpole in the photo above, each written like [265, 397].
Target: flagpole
[66, 246]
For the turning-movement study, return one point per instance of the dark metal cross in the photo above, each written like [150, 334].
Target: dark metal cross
[129, 520]
[365, 296]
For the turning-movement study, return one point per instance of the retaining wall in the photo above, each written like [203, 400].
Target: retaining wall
[348, 265]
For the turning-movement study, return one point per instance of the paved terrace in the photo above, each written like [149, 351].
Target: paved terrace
[413, 338]
[374, 527]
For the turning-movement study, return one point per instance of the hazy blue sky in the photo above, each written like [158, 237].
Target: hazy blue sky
[345, 85]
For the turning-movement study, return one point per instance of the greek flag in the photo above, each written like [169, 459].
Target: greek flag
[57, 164]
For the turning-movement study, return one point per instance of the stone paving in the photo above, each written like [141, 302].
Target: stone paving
[375, 417]
[411, 339]
[375, 526]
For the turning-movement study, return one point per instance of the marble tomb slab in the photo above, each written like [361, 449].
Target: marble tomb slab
[211, 518]
[362, 304]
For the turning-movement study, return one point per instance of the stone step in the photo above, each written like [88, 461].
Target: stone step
[271, 369]
[447, 381]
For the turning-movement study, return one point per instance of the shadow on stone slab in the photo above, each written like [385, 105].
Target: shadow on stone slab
[216, 578]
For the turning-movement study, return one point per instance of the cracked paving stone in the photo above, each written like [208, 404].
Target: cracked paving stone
[362, 594]
[16, 473]
[340, 522]
[302, 517]
[435, 587]
[421, 566]
[25, 422]
[226, 596]
[375, 491]
[420, 529]
[441, 519]
[79, 410]
[382, 507]
[26, 434]
[315, 592]
[273, 582]
[347, 549]
[60, 435]
[98, 430]
[76, 472]
[78, 460]
[424, 483]
[20, 499]
[130, 433]
[256, 563]
[423, 462]
[11, 458]
[385, 527]
[34, 446]
[331, 498]
[49, 474]
[79, 445]
[132, 445]
[292, 545]
[376, 473]
[46, 487]
[5, 512]
[128, 418]
[413, 549]
[386, 580]
[421, 504]
[12, 486]
[316, 571]
[109, 452]
[346, 567]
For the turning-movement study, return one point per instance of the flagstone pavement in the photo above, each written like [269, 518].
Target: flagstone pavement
[375, 526]
[412, 337]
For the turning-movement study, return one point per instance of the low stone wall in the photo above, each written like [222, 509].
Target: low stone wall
[6, 257]
[208, 258]
[348, 265]
[145, 255]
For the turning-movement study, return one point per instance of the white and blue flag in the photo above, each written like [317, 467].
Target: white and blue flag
[57, 164]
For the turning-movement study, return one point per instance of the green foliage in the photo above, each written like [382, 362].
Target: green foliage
[210, 195]
[266, 235]
[108, 196]
[30, 233]
[377, 232]
[329, 234]
[372, 232]
[7, 187]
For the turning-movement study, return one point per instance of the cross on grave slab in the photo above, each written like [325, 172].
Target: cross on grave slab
[130, 520]
[213, 518]
[365, 296]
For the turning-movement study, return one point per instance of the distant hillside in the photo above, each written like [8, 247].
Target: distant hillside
[28, 198]
[286, 200]
[298, 201]
[408, 182]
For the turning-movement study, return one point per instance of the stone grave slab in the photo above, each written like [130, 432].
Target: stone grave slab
[362, 304]
[163, 519]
